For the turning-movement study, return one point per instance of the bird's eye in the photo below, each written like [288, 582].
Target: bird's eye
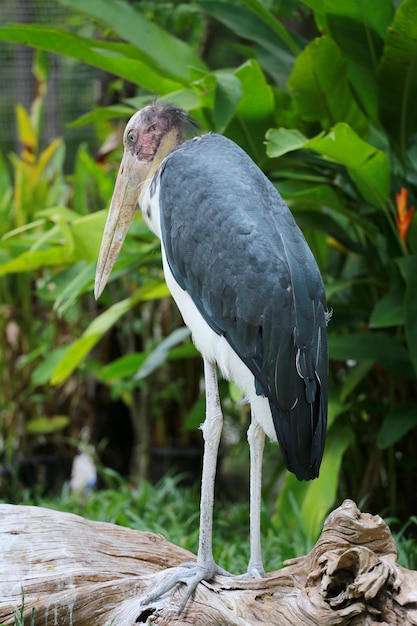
[131, 136]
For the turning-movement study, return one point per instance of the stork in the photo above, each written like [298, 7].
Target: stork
[247, 286]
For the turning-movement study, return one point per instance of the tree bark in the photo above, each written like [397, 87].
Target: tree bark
[78, 572]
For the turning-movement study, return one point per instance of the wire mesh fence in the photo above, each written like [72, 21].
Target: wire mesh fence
[72, 86]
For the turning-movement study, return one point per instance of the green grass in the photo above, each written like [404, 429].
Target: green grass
[173, 511]
[19, 618]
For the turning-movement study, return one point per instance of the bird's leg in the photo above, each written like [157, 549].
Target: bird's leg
[191, 574]
[256, 439]
[211, 428]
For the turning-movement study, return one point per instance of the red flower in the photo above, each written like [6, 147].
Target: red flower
[404, 216]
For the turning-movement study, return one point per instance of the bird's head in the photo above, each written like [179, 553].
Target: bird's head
[150, 135]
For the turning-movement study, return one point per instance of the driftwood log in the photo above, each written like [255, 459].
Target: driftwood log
[76, 572]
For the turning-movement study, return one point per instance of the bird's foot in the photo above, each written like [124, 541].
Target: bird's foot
[255, 570]
[189, 574]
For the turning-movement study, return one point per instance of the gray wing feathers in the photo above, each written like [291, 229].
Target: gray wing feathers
[233, 245]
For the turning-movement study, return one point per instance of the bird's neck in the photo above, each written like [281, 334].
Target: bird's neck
[171, 141]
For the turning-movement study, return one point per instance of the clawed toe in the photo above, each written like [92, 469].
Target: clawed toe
[189, 574]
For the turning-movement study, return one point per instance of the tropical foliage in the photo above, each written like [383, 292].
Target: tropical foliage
[331, 91]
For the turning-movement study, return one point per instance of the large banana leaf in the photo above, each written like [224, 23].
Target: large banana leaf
[397, 78]
[367, 166]
[359, 29]
[320, 87]
[276, 47]
[164, 52]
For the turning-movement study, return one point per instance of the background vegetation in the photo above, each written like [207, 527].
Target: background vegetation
[322, 95]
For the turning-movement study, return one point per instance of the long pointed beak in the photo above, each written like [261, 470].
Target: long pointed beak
[123, 207]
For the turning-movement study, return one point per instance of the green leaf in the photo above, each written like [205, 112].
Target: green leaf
[131, 364]
[82, 236]
[47, 425]
[315, 498]
[389, 311]
[5, 184]
[253, 80]
[164, 51]
[277, 47]
[92, 185]
[258, 8]
[408, 267]
[336, 218]
[23, 229]
[87, 233]
[35, 259]
[320, 87]
[321, 492]
[195, 416]
[41, 71]
[397, 424]
[326, 223]
[58, 212]
[43, 371]
[125, 367]
[254, 113]
[186, 351]
[398, 76]
[83, 277]
[159, 355]
[76, 353]
[104, 55]
[367, 166]
[360, 29]
[354, 377]
[226, 99]
[343, 285]
[184, 98]
[82, 346]
[103, 114]
[313, 195]
[283, 140]
[78, 350]
[376, 346]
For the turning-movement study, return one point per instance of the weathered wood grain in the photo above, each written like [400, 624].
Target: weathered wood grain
[77, 572]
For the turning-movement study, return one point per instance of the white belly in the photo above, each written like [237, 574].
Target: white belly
[216, 349]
